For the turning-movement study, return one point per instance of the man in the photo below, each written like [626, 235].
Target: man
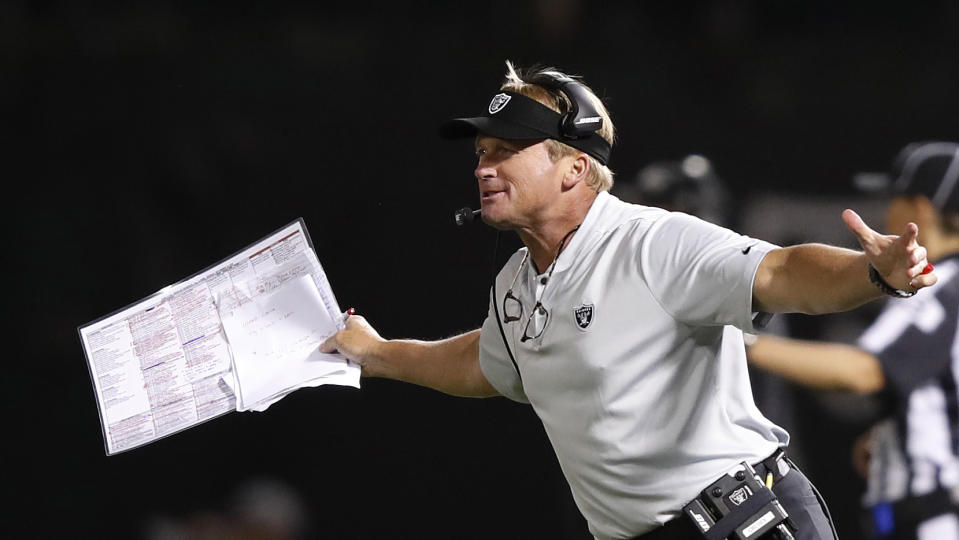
[622, 324]
[909, 354]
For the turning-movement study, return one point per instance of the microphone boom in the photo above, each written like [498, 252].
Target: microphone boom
[464, 215]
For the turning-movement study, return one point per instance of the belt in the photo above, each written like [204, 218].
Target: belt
[681, 528]
[777, 464]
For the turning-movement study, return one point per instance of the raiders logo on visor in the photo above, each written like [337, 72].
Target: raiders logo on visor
[499, 101]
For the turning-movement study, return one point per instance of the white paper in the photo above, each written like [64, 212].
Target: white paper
[275, 338]
[163, 364]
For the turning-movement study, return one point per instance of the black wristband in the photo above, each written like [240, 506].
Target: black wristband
[881, 284]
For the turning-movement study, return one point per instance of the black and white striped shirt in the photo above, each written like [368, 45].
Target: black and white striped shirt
[916, 448]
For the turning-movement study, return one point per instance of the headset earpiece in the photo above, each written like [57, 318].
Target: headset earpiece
[583, 119]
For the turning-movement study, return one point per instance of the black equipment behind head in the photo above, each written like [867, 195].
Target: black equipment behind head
[582, 119]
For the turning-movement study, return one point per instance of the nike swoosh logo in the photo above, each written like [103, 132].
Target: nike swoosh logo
[746, 251]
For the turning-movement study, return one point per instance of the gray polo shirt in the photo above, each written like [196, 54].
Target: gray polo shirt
[639, 374]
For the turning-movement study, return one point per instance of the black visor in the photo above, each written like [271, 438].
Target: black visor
[515, 116]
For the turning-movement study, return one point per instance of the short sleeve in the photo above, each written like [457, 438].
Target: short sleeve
[702, 273]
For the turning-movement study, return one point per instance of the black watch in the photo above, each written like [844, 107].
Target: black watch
[881, 284]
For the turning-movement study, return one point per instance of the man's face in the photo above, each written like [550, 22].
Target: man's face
[517, 181]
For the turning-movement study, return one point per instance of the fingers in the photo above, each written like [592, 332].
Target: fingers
[858, 227]
[354, 321]
[917, 257]
[915, 270]
[355, 342]
[909, 237]
[331, 344]
[924, 280]
[921, 275]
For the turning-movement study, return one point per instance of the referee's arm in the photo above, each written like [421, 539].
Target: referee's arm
[825, 366]
[816, 279]
[449, 365]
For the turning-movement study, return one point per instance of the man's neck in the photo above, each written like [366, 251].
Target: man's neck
[543, 241]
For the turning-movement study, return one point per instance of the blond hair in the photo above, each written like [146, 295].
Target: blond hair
[533, 83]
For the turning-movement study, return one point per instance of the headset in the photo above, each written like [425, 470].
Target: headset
[582, 120]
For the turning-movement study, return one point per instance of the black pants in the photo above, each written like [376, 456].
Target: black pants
[795, 492]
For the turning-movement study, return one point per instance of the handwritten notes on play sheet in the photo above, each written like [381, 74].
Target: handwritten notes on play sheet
[275, 337]
[239, 335]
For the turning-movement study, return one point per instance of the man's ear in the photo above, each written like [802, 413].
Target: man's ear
[577, 171]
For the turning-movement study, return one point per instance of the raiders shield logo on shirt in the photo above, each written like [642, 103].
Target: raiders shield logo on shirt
[584, 315]
[499, 101]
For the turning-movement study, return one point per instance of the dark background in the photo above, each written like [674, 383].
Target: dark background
[147, 141]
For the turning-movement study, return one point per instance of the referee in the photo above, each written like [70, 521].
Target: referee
[622, 325]
[910, 356]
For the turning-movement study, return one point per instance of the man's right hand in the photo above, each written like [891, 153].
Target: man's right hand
[449, 365]
[359, 342]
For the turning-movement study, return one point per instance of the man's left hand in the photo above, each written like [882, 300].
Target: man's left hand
[900, 260]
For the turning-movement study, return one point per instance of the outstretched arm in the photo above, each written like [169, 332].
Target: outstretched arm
[825, 366]
[450, 365]
[814, 278]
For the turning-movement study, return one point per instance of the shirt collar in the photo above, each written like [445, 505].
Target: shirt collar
[587, 234]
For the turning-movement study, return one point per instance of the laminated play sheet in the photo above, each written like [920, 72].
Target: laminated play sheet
[169, 361]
